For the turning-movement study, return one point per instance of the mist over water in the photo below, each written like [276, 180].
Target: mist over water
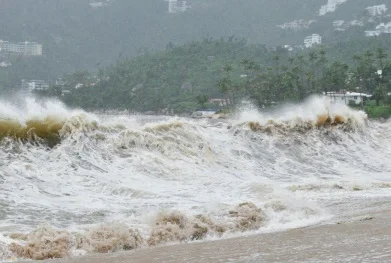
[299, 165]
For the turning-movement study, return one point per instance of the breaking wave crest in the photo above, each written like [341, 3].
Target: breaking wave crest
[38, 123]
[45, 122]
[314, 114]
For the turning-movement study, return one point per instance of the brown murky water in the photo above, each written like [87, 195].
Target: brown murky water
[362, 239]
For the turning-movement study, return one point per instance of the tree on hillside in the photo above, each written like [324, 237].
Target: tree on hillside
[335, 76]
[202, 100]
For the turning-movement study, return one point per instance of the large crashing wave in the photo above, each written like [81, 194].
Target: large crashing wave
[149, 180]
[50, 121]
[316, 112]
[45, 122]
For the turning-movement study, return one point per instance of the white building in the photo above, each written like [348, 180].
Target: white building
[312, 40]
[348, 97]
[330, 6]
[338, 23]
[356, 23]
[60, 82]
[297, 25]
[65, 91]
[5, 64]
[97, 4]
[377, 10]
[382, 28]
[22, 48]
[32, 85]
[372, 33]
[177, 6]
[288, 47]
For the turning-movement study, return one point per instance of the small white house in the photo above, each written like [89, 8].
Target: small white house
[348, 97]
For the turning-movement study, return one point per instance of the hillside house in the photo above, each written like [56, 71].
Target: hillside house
[377, 10]
[347, 97]
[177, 6]
[312, 40]
[34, 85]
[330, 6]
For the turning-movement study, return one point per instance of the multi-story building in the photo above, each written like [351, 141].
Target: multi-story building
[377, 10]
[32, 85]
[312, 40]
[177, 6]
[331, 6]
[22, 48]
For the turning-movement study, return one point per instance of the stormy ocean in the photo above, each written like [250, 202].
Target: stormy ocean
[77, 183]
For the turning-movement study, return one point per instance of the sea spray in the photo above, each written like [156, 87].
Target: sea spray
[44, 122]
[109, 238]
[5, 254]
[43, 243]
[247, 216]
[47, 242]
[315, 111]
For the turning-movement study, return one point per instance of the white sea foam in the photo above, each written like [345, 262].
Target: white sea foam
[132, 168]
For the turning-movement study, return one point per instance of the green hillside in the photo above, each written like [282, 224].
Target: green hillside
[183, 78]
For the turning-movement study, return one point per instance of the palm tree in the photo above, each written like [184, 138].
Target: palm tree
[228, 68]
[320, 70]
[381, 55]
[276, 58]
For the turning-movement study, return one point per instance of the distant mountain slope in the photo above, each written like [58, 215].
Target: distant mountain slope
[76, 34]
[87, 34]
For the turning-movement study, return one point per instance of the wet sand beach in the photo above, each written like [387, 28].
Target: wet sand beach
[365, 238]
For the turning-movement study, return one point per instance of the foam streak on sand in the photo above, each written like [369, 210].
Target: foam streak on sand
[119, 182]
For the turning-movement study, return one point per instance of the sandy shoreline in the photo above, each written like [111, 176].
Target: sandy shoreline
[361, 239]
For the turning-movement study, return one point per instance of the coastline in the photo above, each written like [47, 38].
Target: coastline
[360, 239]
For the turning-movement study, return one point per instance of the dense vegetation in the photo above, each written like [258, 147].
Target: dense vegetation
[184, 78]
[172, 79]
